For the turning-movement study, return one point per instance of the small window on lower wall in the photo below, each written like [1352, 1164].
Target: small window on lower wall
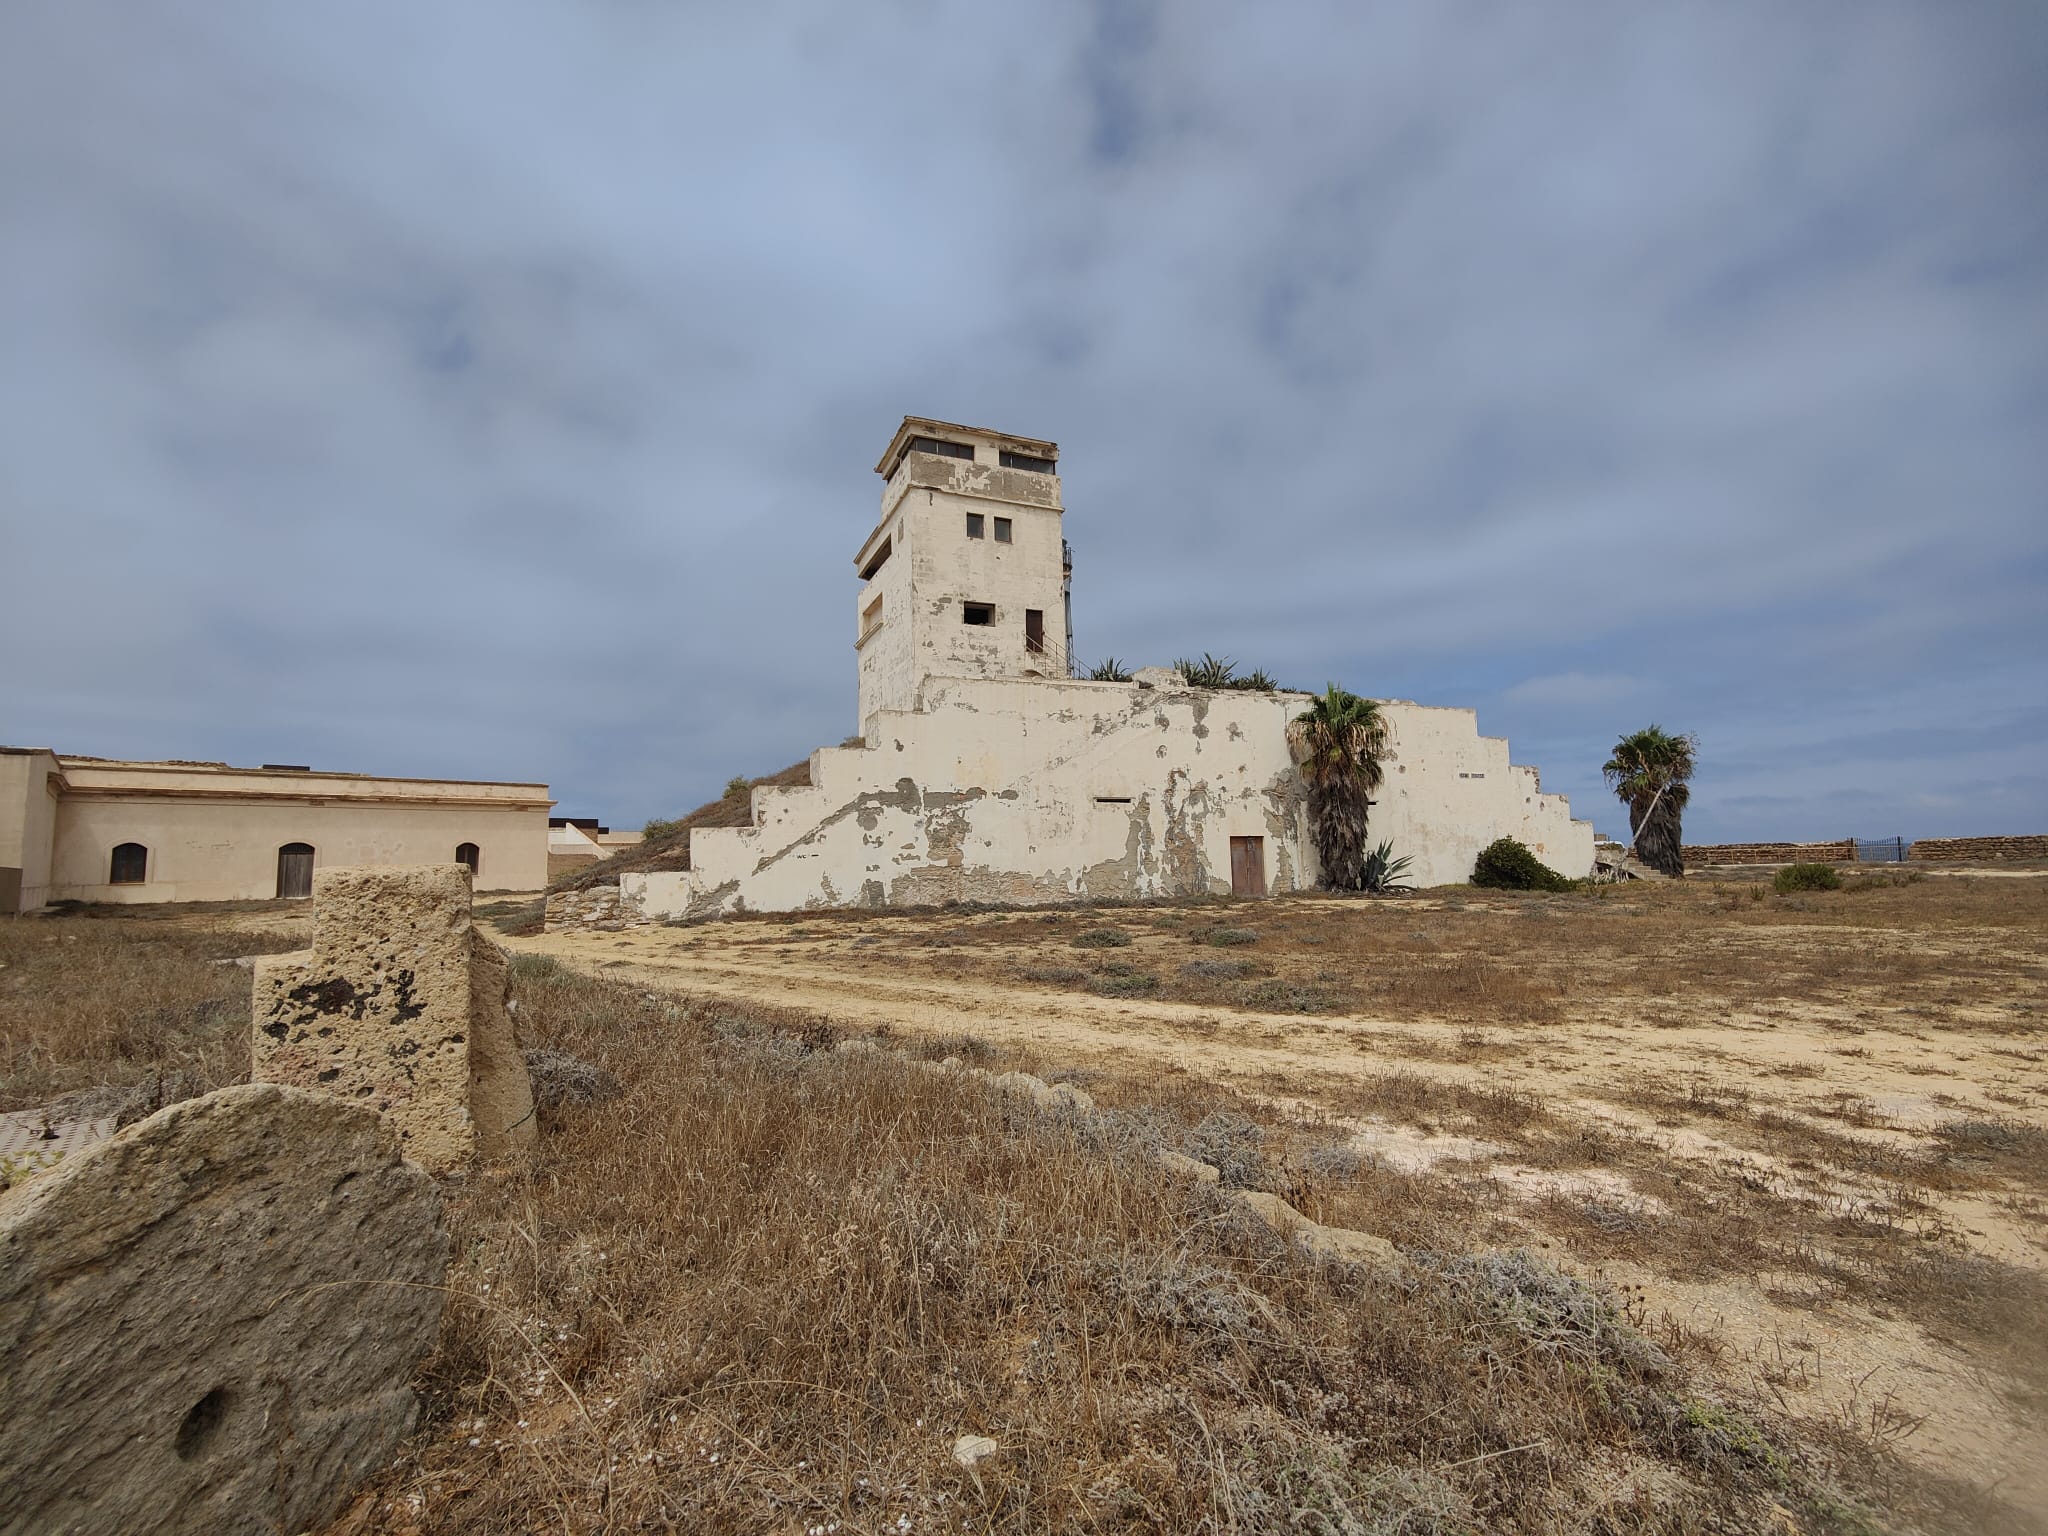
[977, 613]
[130, 865]
[1112, 799]
[467, 853]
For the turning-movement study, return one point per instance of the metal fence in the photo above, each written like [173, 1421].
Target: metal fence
[1880, 850]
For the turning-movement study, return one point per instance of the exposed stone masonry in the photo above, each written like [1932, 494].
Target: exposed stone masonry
[400, 1005]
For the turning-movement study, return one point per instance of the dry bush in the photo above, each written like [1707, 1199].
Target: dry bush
[766, 1288]
[96, 1002]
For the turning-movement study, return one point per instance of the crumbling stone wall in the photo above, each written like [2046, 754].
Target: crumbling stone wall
[399, 1005]
[1843, 852]
[1979, 849]
[597, 908]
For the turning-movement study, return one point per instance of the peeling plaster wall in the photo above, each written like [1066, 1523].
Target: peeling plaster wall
[1450, 791]
[1024, 791]
[934, 568]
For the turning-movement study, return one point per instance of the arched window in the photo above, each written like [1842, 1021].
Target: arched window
[295, 870]
[467, 853]
[131, 864]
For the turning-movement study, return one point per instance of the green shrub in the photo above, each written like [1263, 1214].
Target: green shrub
[1225, 938]
[1806, 877]
[1507, 865]
[1127, 986]
[737, 786]
[659, 827]
[1279, 995]
[1100, 938]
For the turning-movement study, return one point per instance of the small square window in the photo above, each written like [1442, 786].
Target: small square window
[975, 523]
[1002, 530]
[978, 613]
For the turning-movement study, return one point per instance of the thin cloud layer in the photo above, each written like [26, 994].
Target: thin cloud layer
[492, 390]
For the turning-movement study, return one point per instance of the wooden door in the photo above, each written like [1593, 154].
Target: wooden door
[295, 870]
[1034, 631]
[1247, 866]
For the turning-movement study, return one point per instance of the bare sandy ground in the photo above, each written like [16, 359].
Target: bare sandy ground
[1876, 1025]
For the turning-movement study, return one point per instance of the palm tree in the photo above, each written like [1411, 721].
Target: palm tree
[1648, 774]
[1341, 743]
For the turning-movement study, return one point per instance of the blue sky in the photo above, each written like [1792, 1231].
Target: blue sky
[493, 390]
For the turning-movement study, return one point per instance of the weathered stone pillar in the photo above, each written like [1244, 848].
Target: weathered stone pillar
[400, 1005]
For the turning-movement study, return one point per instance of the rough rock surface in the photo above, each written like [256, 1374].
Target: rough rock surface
[208, 1323]
[400, 1004]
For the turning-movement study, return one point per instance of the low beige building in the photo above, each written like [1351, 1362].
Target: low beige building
[93, 829]
[986, 771]
[576, 842]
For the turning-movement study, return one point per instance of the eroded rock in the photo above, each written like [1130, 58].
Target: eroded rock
[209, 1322]
[400, 1005]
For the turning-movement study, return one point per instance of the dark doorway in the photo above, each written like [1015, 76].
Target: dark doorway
[130, 865]
[1247, 866]
[295, 870]
[1034, 631]
[466, 853]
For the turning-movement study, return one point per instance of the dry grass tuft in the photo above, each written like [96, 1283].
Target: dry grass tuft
[92, 1002]
[766, 1288]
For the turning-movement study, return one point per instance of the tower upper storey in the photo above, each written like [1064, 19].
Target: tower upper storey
[964, 571]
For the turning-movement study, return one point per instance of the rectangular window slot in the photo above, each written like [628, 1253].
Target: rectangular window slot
[941, 447]
[1002, 530]
[978, 613]
[1026, 461]
[867, 572]
[1112, 799]
[975, 524]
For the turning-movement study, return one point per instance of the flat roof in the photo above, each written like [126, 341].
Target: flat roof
[293, 775]
[926, 426]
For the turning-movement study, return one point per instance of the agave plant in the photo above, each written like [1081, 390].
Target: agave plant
[1109, 670]
[1382, 872]
[1341, 743]
[1209, 672]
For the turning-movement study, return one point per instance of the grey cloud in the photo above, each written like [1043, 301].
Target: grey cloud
[491, 389]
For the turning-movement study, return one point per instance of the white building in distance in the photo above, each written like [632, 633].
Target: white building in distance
[986, 773]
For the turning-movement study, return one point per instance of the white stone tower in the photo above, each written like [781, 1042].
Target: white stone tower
[964, 574]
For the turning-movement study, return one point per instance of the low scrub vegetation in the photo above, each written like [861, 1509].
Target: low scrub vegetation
[1806, 877]
[92, 1003]
[1506, 864]
[769, 1286]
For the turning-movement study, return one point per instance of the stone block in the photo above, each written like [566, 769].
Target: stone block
[210, 1321]
[400, 1005]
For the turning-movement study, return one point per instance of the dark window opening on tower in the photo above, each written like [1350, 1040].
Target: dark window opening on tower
[975, 524]
[130, 864]
[941, 447]
[1002, 530]
[881, 558]
[1026, 461]
[977, 613]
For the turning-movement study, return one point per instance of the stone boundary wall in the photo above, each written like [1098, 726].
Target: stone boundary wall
[598, 908]
[1843, 852]
[1979, 848]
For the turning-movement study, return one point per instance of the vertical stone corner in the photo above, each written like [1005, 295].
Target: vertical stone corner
[399, 1005]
